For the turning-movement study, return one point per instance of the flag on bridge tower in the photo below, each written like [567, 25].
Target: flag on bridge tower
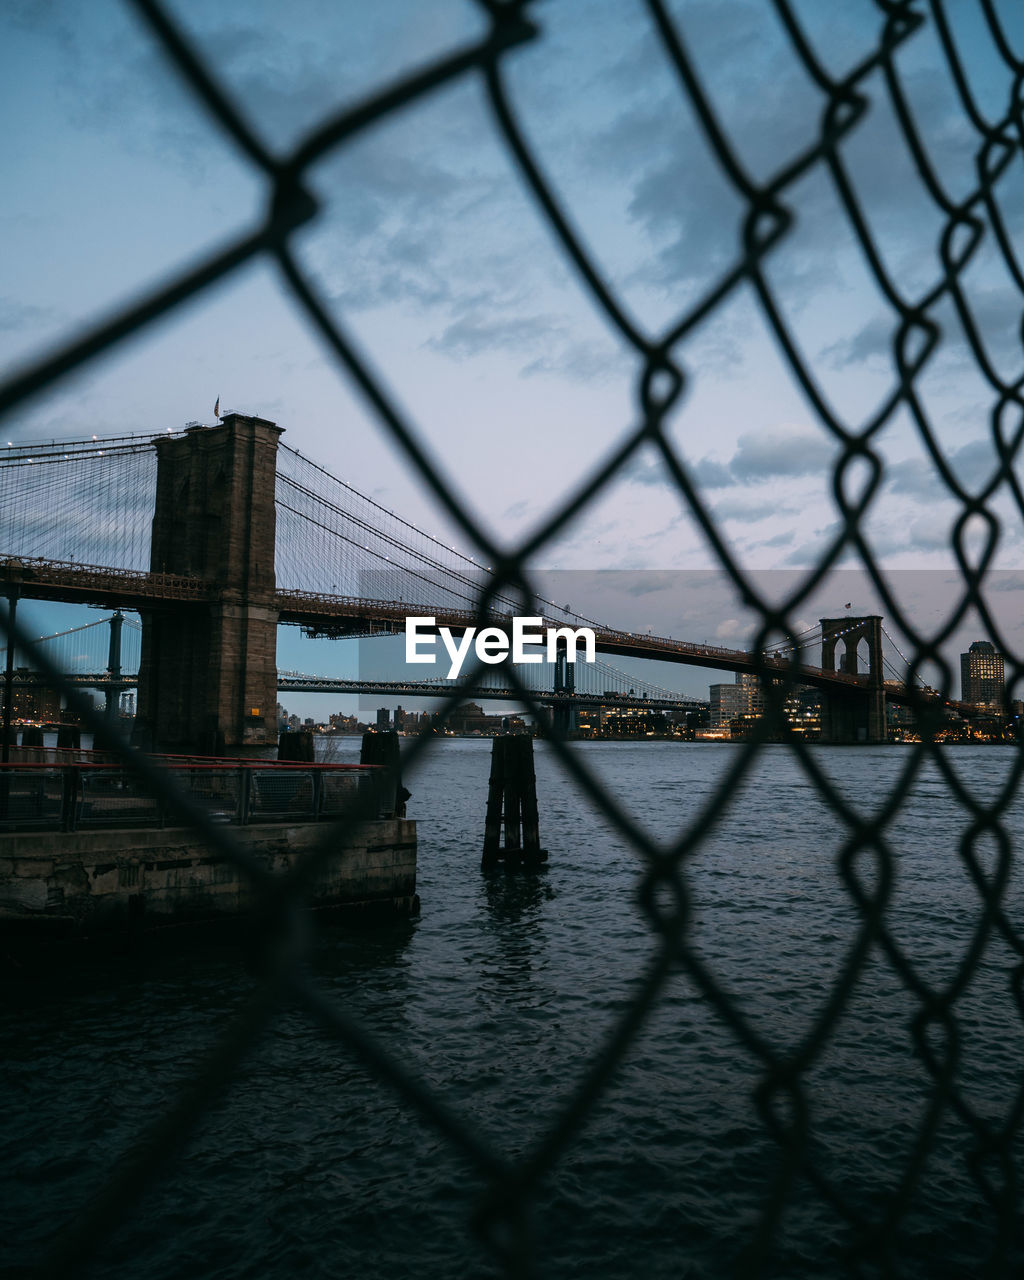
[216, 414]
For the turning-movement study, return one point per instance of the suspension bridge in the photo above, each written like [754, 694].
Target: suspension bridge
[105, 655]
[217, 535]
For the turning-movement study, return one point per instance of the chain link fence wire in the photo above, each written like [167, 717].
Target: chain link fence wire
[864, 849]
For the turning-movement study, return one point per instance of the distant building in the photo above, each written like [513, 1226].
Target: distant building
[35, 703]
[982, 674]
[383, 718]
[725, 703]
[744, 697]
[622, 722]
[751, 693]
[471, 718]
[739, 708]
[802, 709]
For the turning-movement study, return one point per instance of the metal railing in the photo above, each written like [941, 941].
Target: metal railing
[42, 577]
[80, 796]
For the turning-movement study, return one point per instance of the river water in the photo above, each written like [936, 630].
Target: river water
[498, 998]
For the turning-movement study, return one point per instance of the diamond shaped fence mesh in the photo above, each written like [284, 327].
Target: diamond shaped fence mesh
[783, 1074]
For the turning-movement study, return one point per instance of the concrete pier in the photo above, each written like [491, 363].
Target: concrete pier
[84, 883]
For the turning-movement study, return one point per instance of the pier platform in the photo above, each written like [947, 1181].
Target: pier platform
[86, 849]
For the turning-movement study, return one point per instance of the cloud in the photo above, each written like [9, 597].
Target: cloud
[285, 72]
[652, 582]
[782, 453]
[481, 330]
[646, 470]
[479, 326]
[914, 477]
[693, 215]
[680, 194]
[777, 454]
[580, 361]
[973, 464]
[810, 552]
[779, 540]
[872, 342]
[998, 315]
[763, 457]
[929, 533]
[15, 315]
[710, 474]
[744, 511]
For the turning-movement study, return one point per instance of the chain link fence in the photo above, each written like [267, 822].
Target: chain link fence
[771, 212]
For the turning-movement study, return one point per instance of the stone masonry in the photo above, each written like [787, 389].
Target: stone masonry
[208, 674]
[92, 882]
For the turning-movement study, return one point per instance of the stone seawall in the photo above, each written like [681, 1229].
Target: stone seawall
[98, 881]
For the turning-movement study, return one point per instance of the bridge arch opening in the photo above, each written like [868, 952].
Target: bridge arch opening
[839, 662]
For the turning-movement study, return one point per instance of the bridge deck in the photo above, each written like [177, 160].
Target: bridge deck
[336, 614]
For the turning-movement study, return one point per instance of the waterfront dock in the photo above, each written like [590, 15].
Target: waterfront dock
[88, 848]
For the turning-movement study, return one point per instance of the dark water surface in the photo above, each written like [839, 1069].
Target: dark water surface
[500, 996]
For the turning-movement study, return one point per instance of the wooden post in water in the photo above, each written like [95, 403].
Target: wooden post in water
[298, 748]
[512, 795]
[383, 749]
[528, 806]
[495, 794]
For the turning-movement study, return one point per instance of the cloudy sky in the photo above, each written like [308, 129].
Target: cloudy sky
[431, 251]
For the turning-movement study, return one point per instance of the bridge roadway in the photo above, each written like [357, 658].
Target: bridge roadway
[331, 615]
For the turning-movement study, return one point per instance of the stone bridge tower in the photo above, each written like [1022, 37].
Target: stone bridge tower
[857, 716]
[208, 674]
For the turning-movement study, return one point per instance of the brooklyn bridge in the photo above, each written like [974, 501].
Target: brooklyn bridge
[218, 535]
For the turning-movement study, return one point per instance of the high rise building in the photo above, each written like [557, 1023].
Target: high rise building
[744, 697]
[982, 674]
[751, 693]
[725, 702]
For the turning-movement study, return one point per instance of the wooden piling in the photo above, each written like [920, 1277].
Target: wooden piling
[495, 793]
[512, 802]
[382, 749]
[528, 803]
[298, 747]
